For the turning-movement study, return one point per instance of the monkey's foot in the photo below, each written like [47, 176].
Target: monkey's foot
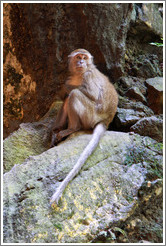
[55, 140]
[62, 135]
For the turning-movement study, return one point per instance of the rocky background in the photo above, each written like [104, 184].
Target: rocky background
[117, 197]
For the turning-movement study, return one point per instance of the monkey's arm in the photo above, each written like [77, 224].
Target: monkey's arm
[97, 134]
[95, 96]
[99, 105]
[65, 90]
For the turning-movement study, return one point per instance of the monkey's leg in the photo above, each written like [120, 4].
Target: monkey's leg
[60, 123]
[69, 115]
[61, 120]
[74, 123]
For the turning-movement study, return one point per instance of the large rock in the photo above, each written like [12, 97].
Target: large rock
[30, 139]
[129, 112]
[146, 66]
[149, 126]
[149, 14]
[155, 94]
[121, 181]
[126, 118]
[143, 59]
[24, 142]
[135, 93]
[126, 83]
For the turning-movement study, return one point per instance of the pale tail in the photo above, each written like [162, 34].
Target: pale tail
[97, 134]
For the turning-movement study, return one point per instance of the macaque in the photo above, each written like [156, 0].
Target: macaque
[91, 103]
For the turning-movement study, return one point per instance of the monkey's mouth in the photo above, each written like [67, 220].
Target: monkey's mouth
[80, 66]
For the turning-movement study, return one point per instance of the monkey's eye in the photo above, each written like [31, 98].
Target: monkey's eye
[85, 57]
[78, 57]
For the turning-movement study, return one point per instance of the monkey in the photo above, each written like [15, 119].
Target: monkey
[90, 104]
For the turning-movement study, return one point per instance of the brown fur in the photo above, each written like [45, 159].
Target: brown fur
[91, 103]
[91, 99]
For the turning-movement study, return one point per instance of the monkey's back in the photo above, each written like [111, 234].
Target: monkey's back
[110, 101]
[109, 98]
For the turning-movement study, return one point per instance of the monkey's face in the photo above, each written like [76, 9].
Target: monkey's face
[79, 61]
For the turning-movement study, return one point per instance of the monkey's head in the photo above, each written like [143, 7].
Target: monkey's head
[79, 61]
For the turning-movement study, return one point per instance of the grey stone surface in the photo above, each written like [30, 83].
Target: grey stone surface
[103, 195]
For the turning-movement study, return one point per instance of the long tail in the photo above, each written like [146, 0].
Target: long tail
[97, 134]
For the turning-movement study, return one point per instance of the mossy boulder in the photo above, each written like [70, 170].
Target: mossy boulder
[30, 139]
[100, 199]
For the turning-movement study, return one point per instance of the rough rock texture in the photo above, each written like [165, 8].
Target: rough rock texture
[30, 139]
[17, 85]
[135, 93]
[155, 94]
[127, 117]
[129, 112]
[138, 98]
[126, 83]
[149, 17]
[106, 198]
[143, 59]
[150, 126]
